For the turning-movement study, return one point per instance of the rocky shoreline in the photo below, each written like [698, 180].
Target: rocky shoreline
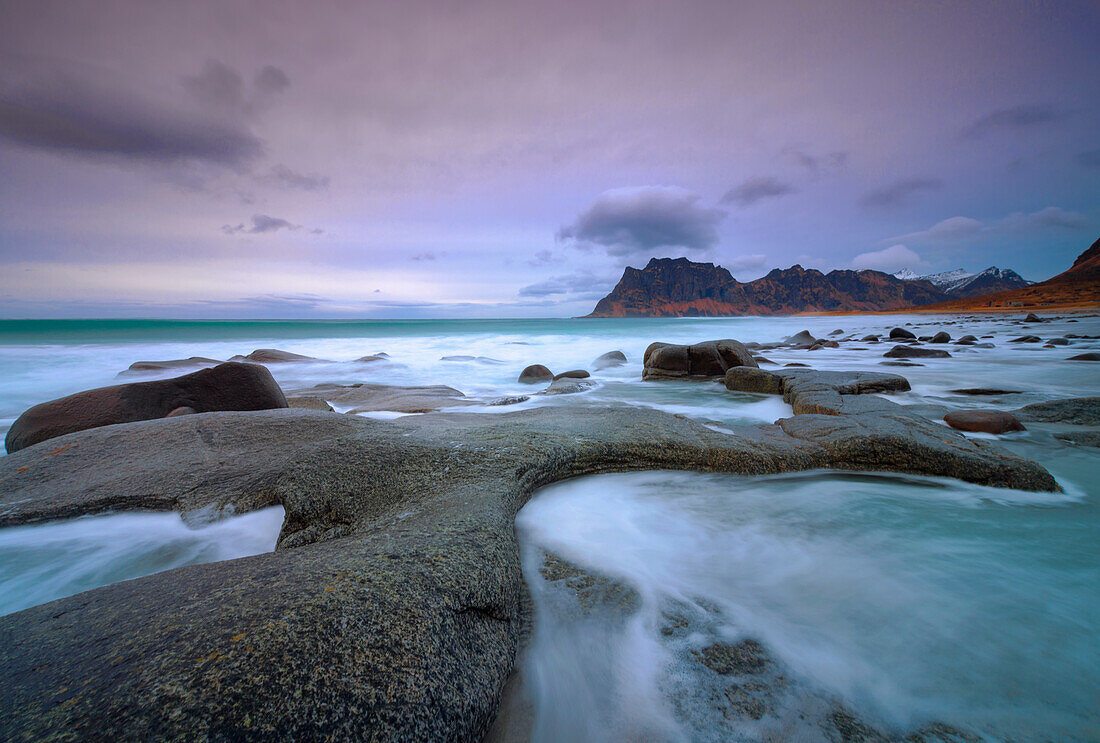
[393, 606]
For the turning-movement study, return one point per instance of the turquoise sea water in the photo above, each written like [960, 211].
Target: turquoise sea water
[909, 601]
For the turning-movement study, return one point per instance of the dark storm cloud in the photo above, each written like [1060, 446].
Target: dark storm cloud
[900, 192]
[76, 117]
[262, 223]
[1017, 118]
[640, 220]
[757, 189]
[1089, 159]
[283, 177]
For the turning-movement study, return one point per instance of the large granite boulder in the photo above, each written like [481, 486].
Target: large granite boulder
[706, 359]
[229, 386]
[392, 606]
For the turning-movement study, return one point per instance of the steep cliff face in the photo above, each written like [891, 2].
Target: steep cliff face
[678, 287]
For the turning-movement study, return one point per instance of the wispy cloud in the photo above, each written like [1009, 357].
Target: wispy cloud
[893, 258]
[900, 192]
[1024, 117]
[757, 189]
[262, 223]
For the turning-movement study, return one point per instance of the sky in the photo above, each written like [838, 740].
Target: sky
[215, 158]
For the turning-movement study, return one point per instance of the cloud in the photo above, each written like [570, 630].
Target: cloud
[899, 192]
[1089, 159]
[73, 116]
[888, 259]
[948, 230]
[283, 177]
[1051, 217]
[816, 164]
[627, 221]
[271, 80]
[428, 256]
[577, 286]
[756, 189]
[1017, 118]
[543, 258]
[262, 224]
[746, 263]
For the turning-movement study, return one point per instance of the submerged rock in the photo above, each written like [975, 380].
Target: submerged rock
[706, 359]
[139, 367]
[984, 391]
[367, 398]
[907, 352]
[983, 421]
[609, 360]
[1078, 411]
[273, 356]
[228, 386]
[902, 333]
[572, 374]
[1090, 356]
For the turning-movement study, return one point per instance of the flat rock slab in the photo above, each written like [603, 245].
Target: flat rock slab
[366, 398]
[391, 608]
[1078, 411]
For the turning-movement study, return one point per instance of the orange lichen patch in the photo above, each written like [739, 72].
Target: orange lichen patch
[237, 638]
[329, 588]
[58, 451]
[24, 468]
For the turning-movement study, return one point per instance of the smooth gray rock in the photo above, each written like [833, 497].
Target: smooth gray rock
[365, 398]
[308, 402]
[609, 360]
[273, 356]
[392, 607]
[572, 374]
[148, 367]
[901, 333]
[941, 337]
[1078, 411]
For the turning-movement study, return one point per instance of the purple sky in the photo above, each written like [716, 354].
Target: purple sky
[292, 159]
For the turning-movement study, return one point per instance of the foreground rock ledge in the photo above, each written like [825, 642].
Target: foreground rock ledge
[391, 609]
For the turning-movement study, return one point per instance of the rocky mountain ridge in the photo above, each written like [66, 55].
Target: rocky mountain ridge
[677, 287]
[962, 283]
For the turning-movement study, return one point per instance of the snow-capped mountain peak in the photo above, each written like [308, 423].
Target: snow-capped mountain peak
[963, 283]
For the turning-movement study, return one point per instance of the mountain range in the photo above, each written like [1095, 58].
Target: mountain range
[677, 287]
[962, 283]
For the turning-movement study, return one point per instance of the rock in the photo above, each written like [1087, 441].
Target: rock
[899, 363]
[838, 331]
[182, 410]
[801, 338]
[1032, 317]
[308, 402]
[568, 386]
[573, 374]
[907, 352]
[983, 421]
[761, 360]
[869, 339]
[609, 360]
[1078, 411]
[228, 386]
[748, 379]
[798, 364]
[986, 391]
[824, 344]
[901, 333]
[535, 374]
[509, 400]
[1027, 339]
[1080, 438]
[924, 338]
[726, 659]
[706, 359]
[155, 366]
[1090, 356]
[967, 339]
[273, 356]
[393, 603]
[369, 398]
[941, 337]
[1058, 341]
[371, 359]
